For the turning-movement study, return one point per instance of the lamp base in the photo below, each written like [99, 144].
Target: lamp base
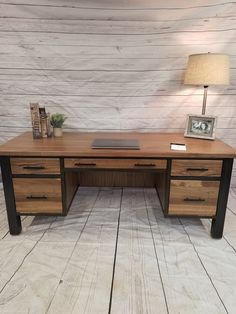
[204, 100]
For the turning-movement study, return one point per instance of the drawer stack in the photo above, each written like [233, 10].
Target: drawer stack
[194, 187]
[37, 185]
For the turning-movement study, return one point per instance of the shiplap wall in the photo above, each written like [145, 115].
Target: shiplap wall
[113, 65]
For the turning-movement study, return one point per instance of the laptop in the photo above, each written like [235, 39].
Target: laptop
[115, 143]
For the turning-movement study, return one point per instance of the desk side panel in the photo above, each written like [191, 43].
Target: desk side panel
[70, 186]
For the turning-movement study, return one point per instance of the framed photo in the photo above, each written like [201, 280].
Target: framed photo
[201, 127]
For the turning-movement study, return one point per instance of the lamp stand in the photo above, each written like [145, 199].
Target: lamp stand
[204, 100]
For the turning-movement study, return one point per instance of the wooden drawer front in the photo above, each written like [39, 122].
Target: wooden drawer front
[35, 165]
[192, 197]
[38, 195]
[94, 163]
[189, 167]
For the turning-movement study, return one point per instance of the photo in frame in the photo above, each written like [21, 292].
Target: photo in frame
[200, 126]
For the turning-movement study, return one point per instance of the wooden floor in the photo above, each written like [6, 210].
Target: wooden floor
[116, 253]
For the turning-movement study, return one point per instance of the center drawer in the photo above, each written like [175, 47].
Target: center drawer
[102, 163]
[38, 195]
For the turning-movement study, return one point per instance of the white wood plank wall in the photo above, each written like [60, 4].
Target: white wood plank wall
[113, 65]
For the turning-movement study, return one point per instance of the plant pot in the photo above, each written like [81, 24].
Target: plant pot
[57, 132]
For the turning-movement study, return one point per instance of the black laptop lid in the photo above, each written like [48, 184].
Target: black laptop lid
[115, 143]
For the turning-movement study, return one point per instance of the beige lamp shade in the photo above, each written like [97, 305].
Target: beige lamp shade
[207, 69]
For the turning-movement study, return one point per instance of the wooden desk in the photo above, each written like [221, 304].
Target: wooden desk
[40, 177]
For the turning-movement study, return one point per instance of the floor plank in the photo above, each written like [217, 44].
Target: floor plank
[86, 282]
[34, 283]
[137, 284]
[88, 277]
[116, 253]
[187, 286]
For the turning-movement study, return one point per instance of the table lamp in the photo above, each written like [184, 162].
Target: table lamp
[207, 69]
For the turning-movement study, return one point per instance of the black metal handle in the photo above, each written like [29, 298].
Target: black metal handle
[92, 164]
[188, 199]
[34, 167]
[144, 165]
[197, 169]
[40, 197]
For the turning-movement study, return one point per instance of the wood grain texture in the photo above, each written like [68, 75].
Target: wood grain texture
[182, 269]
[88, 274]
[137, 284]
[152, 145]
[64, 265]
[71, 185]
[210, 168]
[38, 195]
[193, 197]
[122, 178]
[81, 163]
[35, 165]
[113, 66]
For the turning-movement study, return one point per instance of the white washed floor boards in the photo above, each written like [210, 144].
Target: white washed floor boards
[116, 253]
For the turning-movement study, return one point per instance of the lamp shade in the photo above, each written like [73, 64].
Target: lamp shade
[207, 69]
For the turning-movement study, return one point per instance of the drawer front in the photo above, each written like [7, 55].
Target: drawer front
[189, 167]
[193, 197]
[37, 195]
[94, 163]
[35, 165]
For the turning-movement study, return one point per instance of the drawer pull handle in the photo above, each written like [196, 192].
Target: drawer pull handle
[92, 164]
[40, 197]
[194, 199]
[144, 165]
[34, 167]
[197, 169]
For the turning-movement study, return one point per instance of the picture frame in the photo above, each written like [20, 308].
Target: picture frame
[200, 126]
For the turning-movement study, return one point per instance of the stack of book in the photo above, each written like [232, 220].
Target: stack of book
[41, 126]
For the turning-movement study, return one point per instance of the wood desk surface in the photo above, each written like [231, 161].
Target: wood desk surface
[79, 144]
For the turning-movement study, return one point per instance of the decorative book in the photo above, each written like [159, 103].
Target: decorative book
[41, 126]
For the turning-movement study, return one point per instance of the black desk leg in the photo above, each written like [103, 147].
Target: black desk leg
[14, 220]
[217, 225]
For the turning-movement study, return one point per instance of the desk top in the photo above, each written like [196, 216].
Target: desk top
[75, 144]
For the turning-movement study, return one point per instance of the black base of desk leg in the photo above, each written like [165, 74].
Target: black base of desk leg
[14, 220]
[216, 231]
[15, 225]
[217, 225]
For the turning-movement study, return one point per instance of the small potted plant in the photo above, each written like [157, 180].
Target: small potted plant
[57, 120]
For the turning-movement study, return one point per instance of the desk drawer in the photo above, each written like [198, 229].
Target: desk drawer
[119, 163]
[196, 168]
[193, 197]
[35, 165]
[34, 196]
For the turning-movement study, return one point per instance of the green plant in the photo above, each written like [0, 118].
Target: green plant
[57, 120]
